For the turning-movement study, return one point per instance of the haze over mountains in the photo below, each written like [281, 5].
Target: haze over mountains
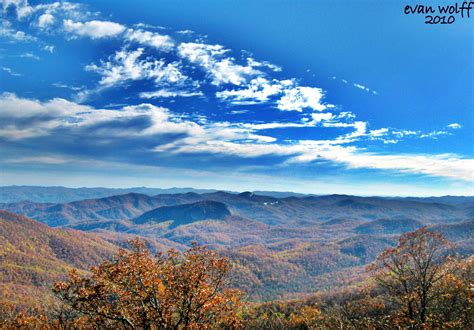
[280, 246]
[11, 194]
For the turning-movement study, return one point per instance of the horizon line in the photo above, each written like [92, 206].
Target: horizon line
[232, 191]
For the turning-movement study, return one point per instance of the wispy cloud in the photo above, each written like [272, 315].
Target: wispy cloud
[49, 48]
[10, 71]
[258, 90]
[30, 56]
[126, 65]
[286, 95]
[74, 88]
[299, 98]
[164, 93]
[212, 58]
[212, 138]
[50, 160]
[185, 32]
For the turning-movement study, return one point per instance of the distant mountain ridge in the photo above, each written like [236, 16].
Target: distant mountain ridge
[59, 194]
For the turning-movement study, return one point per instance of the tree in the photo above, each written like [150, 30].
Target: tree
[454, 296]
[171, 291]
[410, 272]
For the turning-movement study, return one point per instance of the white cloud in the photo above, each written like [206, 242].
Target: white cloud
[126, 65]
[273, 125]
[258, 90]
[149, 26]
[299, 98]
[379, 132]
[404, 133]
[321, 117]
[244, 150]
[49, 48]
[22, 8]
[316, 119]
[185, 32]
[449, 166]
[365, 88]
[30, 56]
[15, 107]
[7, 32]
[455, 126]
[253, 63]
[10, 71]
[361, 87]
[45, 117]
[45, 20]
[164, 93]
[45, 11]
[152, 39]
[292, 97]
[220, 138]
[360, 129]
[60, 85]
[50, 160]
[93, 29]
[221, 69]
[434, 134]
[12, 132]
[238, 112]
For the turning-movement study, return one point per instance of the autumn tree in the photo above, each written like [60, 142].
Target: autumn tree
[454, 296]
[167, 291]
[411, 271]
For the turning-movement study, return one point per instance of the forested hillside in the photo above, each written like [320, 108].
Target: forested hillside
[418, 284]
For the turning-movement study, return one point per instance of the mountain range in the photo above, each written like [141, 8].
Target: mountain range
[281, 247]
[59, 194]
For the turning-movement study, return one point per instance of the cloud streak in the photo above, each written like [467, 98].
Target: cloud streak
[59, 116]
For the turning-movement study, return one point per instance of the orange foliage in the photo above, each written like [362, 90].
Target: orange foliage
[170, 290]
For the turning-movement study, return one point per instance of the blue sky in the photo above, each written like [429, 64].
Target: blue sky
[308, 96]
